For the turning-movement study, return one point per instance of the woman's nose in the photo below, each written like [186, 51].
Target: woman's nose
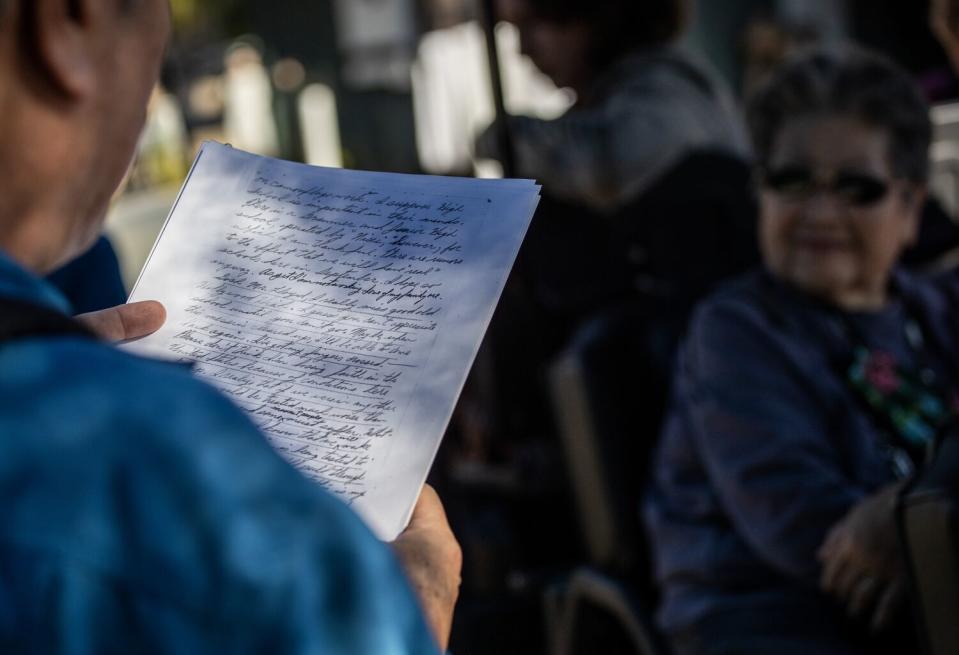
[822, 205]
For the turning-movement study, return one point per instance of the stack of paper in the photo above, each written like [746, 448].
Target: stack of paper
[341, 309]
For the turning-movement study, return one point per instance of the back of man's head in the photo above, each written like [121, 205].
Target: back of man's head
[75, 78]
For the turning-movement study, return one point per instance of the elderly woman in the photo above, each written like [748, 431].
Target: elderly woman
[808, 389]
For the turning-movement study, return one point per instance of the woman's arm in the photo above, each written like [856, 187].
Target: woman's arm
[862, 561]
[765, 437]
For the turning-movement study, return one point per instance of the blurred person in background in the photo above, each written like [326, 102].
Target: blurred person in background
[642, 102]
[807, 391]
[142, 510]
[899, 29]
[638, 179]
[645, 173]
[644, 107]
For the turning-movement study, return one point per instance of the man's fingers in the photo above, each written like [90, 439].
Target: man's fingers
[432, 559]
[126, 322]
[141, 319]
[429, 509]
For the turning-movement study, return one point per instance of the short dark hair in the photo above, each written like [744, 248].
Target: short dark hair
[621, 25]
[847, 81]
[125, 5]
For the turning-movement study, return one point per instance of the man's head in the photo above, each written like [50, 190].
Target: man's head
[75, 79]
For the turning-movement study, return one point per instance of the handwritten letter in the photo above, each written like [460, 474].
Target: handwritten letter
[341, 309]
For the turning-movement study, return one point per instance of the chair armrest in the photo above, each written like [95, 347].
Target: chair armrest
[589, 587]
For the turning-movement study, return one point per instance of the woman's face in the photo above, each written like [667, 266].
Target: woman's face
[834, 217]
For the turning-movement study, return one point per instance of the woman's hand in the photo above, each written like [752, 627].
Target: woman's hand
[125, 322]
[432, 560]
[861, 560]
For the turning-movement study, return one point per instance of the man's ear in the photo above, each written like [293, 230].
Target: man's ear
[66, 42]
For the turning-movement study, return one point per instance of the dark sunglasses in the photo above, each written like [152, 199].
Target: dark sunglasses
[800, 182]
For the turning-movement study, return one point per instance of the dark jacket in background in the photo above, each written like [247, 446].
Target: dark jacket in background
[766, 448]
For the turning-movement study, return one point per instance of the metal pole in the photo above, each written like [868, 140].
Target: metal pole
[504, 140]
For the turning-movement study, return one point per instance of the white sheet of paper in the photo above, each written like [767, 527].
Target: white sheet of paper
[341, 309]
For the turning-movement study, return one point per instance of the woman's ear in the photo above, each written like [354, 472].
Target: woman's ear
[914, 198]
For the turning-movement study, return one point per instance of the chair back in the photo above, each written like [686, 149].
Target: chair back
[928, 517]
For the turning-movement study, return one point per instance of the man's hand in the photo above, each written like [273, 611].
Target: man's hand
[432, 560]
[944, 20]
[125, 322]
[861, 561]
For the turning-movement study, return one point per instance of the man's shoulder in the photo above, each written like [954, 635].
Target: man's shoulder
[73, 378]
[76, 352]
[87, 414]
[145, 479]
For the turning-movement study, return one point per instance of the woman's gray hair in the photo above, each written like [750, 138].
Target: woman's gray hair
[852, 82]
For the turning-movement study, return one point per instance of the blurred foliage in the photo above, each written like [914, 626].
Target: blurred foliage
[191, 15]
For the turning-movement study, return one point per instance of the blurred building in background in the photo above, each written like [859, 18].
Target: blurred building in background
[390, 85]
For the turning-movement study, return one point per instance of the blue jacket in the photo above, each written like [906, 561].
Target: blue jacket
[143, 512]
